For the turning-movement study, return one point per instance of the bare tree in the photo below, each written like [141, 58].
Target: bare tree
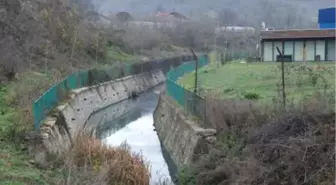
[268, 12]
[292, 18]
[160, 8]
[123, 16]
[228, 16]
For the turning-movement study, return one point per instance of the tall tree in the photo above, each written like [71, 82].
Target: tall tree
[160, 8]
[123, 17]
[228, 17]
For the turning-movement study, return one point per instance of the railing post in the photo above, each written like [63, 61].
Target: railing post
[205, 112]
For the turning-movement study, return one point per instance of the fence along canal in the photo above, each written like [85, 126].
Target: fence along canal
[58, 92]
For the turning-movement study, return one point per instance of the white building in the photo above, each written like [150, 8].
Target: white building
[235, 29]
[299, 45]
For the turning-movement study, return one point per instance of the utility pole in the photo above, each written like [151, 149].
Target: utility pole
[215, 41]
[282, 78]
[196, 70]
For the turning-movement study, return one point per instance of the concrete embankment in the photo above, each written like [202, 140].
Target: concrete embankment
[184, 140]
[69, 118]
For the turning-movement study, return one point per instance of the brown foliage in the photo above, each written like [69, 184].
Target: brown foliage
[37, 35]
[105, 165]
[258, 145]
[225, 114]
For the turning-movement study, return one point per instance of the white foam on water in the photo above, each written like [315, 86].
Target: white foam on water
[141, 137]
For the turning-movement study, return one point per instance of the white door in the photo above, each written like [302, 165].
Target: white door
[298, 55]
[267, 51]
[320, 49]
[288, 47]
[310, 50]
[331, 50]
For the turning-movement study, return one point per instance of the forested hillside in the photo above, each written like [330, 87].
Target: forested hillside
[245, 12]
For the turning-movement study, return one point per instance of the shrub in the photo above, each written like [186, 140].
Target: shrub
[251, 96]
[186, 176]
[114, 165]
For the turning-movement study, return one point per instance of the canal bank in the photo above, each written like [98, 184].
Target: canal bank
[184, 139]
[69, 118]
[66, 117]
[131, 121]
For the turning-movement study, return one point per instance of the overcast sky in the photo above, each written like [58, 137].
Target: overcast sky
[248, 10]
[185, 6]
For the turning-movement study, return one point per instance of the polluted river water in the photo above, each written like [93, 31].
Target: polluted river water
[131, 121]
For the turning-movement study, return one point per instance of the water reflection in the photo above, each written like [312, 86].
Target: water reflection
[132, 121]
[140, 135]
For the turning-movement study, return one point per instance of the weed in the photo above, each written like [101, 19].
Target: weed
[228, 90]
[251, 96]
[119, 164]
[186, 176]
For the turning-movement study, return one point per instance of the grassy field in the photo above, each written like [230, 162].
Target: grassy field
[262, 81]
[115, 54]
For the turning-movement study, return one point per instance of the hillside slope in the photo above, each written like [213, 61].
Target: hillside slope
[40, 34]
[42, 41]
[250, 12]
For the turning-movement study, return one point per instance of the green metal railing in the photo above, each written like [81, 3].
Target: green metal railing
[192, 102]
[49, 100]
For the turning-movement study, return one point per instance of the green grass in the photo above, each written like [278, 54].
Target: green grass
[261, 80]
[15, 168]
[115, 54]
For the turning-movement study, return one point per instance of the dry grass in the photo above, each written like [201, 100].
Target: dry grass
[260, 142]
[224, 114]
[268, 145]
[103, 164]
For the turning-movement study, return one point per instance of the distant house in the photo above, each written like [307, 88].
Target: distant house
[151, 24]
[178, 16]
[162, 14]
[173, 16]
[211, 14]
[235, 29]
[160, 20]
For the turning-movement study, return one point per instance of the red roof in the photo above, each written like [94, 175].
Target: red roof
[178, 15]
[164, 14]
[297, 34]
[172, 14]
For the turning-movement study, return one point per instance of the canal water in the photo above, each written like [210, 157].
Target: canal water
[131, 121]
